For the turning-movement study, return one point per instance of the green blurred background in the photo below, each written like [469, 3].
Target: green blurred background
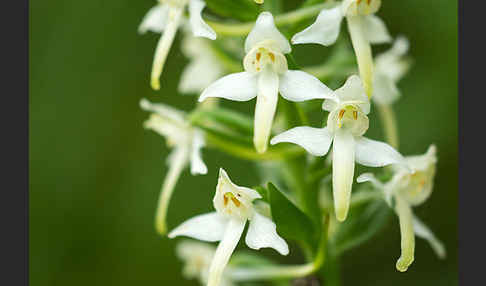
[95, 173]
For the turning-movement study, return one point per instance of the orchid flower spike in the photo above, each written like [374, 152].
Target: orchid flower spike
[234, 206]
[390, 67]
[266, 74]
[364, 28]
[407, 189]
[186, 142]
[197, 257]
[203, 69]
[346, 124]
[165, 17]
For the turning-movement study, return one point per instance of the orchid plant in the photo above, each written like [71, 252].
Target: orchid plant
[240, 50]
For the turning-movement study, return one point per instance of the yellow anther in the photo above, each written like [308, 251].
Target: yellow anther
[258, 56]
[341, 113]
[355, 115]
[272, 56]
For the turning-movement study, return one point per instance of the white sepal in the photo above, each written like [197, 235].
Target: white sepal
[206, 227]
[262, 232]
[324, 31]
[373, 153]
[316, 141]
[198, 26]
[375, 30]
[300, 86]
[265, 30]
[237, 86]
[155, 19]
[197, 164]
[423, 231]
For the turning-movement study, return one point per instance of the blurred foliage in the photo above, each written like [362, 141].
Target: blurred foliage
[95, 173]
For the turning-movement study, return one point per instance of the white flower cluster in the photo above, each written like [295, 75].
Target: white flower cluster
[266, 74]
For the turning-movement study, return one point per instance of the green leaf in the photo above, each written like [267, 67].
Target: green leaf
[291, 222]
[244, 10]
[363, 224]
[273, 6]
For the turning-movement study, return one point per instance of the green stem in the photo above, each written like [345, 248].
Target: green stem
[242, 29]
[389, 124]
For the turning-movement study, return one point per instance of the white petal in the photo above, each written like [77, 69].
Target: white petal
[300, 86]
[393, 63]
[324, 30]
[316, 141]
[197, 164]
[362, 50]
[178, 161]
[342, 172]
[375, 30]
[198, 26]
[225, 249]
[373, 153]
[262, 232]
[407, 234]
[353, 92]
[163, 46]
[265, 108]
[369, 177]
[165, 111]
[199, 74]
[236, 86]
[206, 227]
[422, 231]
[385, 90]
[155, 19]
[265, 30]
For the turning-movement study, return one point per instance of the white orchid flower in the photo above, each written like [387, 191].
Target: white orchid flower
[186, 142]
[410, 189]
[203, 69]
[266, 74]
[390, 67]
[234, 207]
[346, 124]
[197, 257]
[364, 28]
[166, 17]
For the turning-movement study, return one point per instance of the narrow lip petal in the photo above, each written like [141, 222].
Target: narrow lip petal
[316, 141]
[240, 86]
[228, 243]
[207, 227]
[265, 29]
[198, 26]
[342, 172]
[262, 232]
[178, 161]
[407, 234]
[362, 49]
[300, 86]
[266, 106]
[324, 31]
